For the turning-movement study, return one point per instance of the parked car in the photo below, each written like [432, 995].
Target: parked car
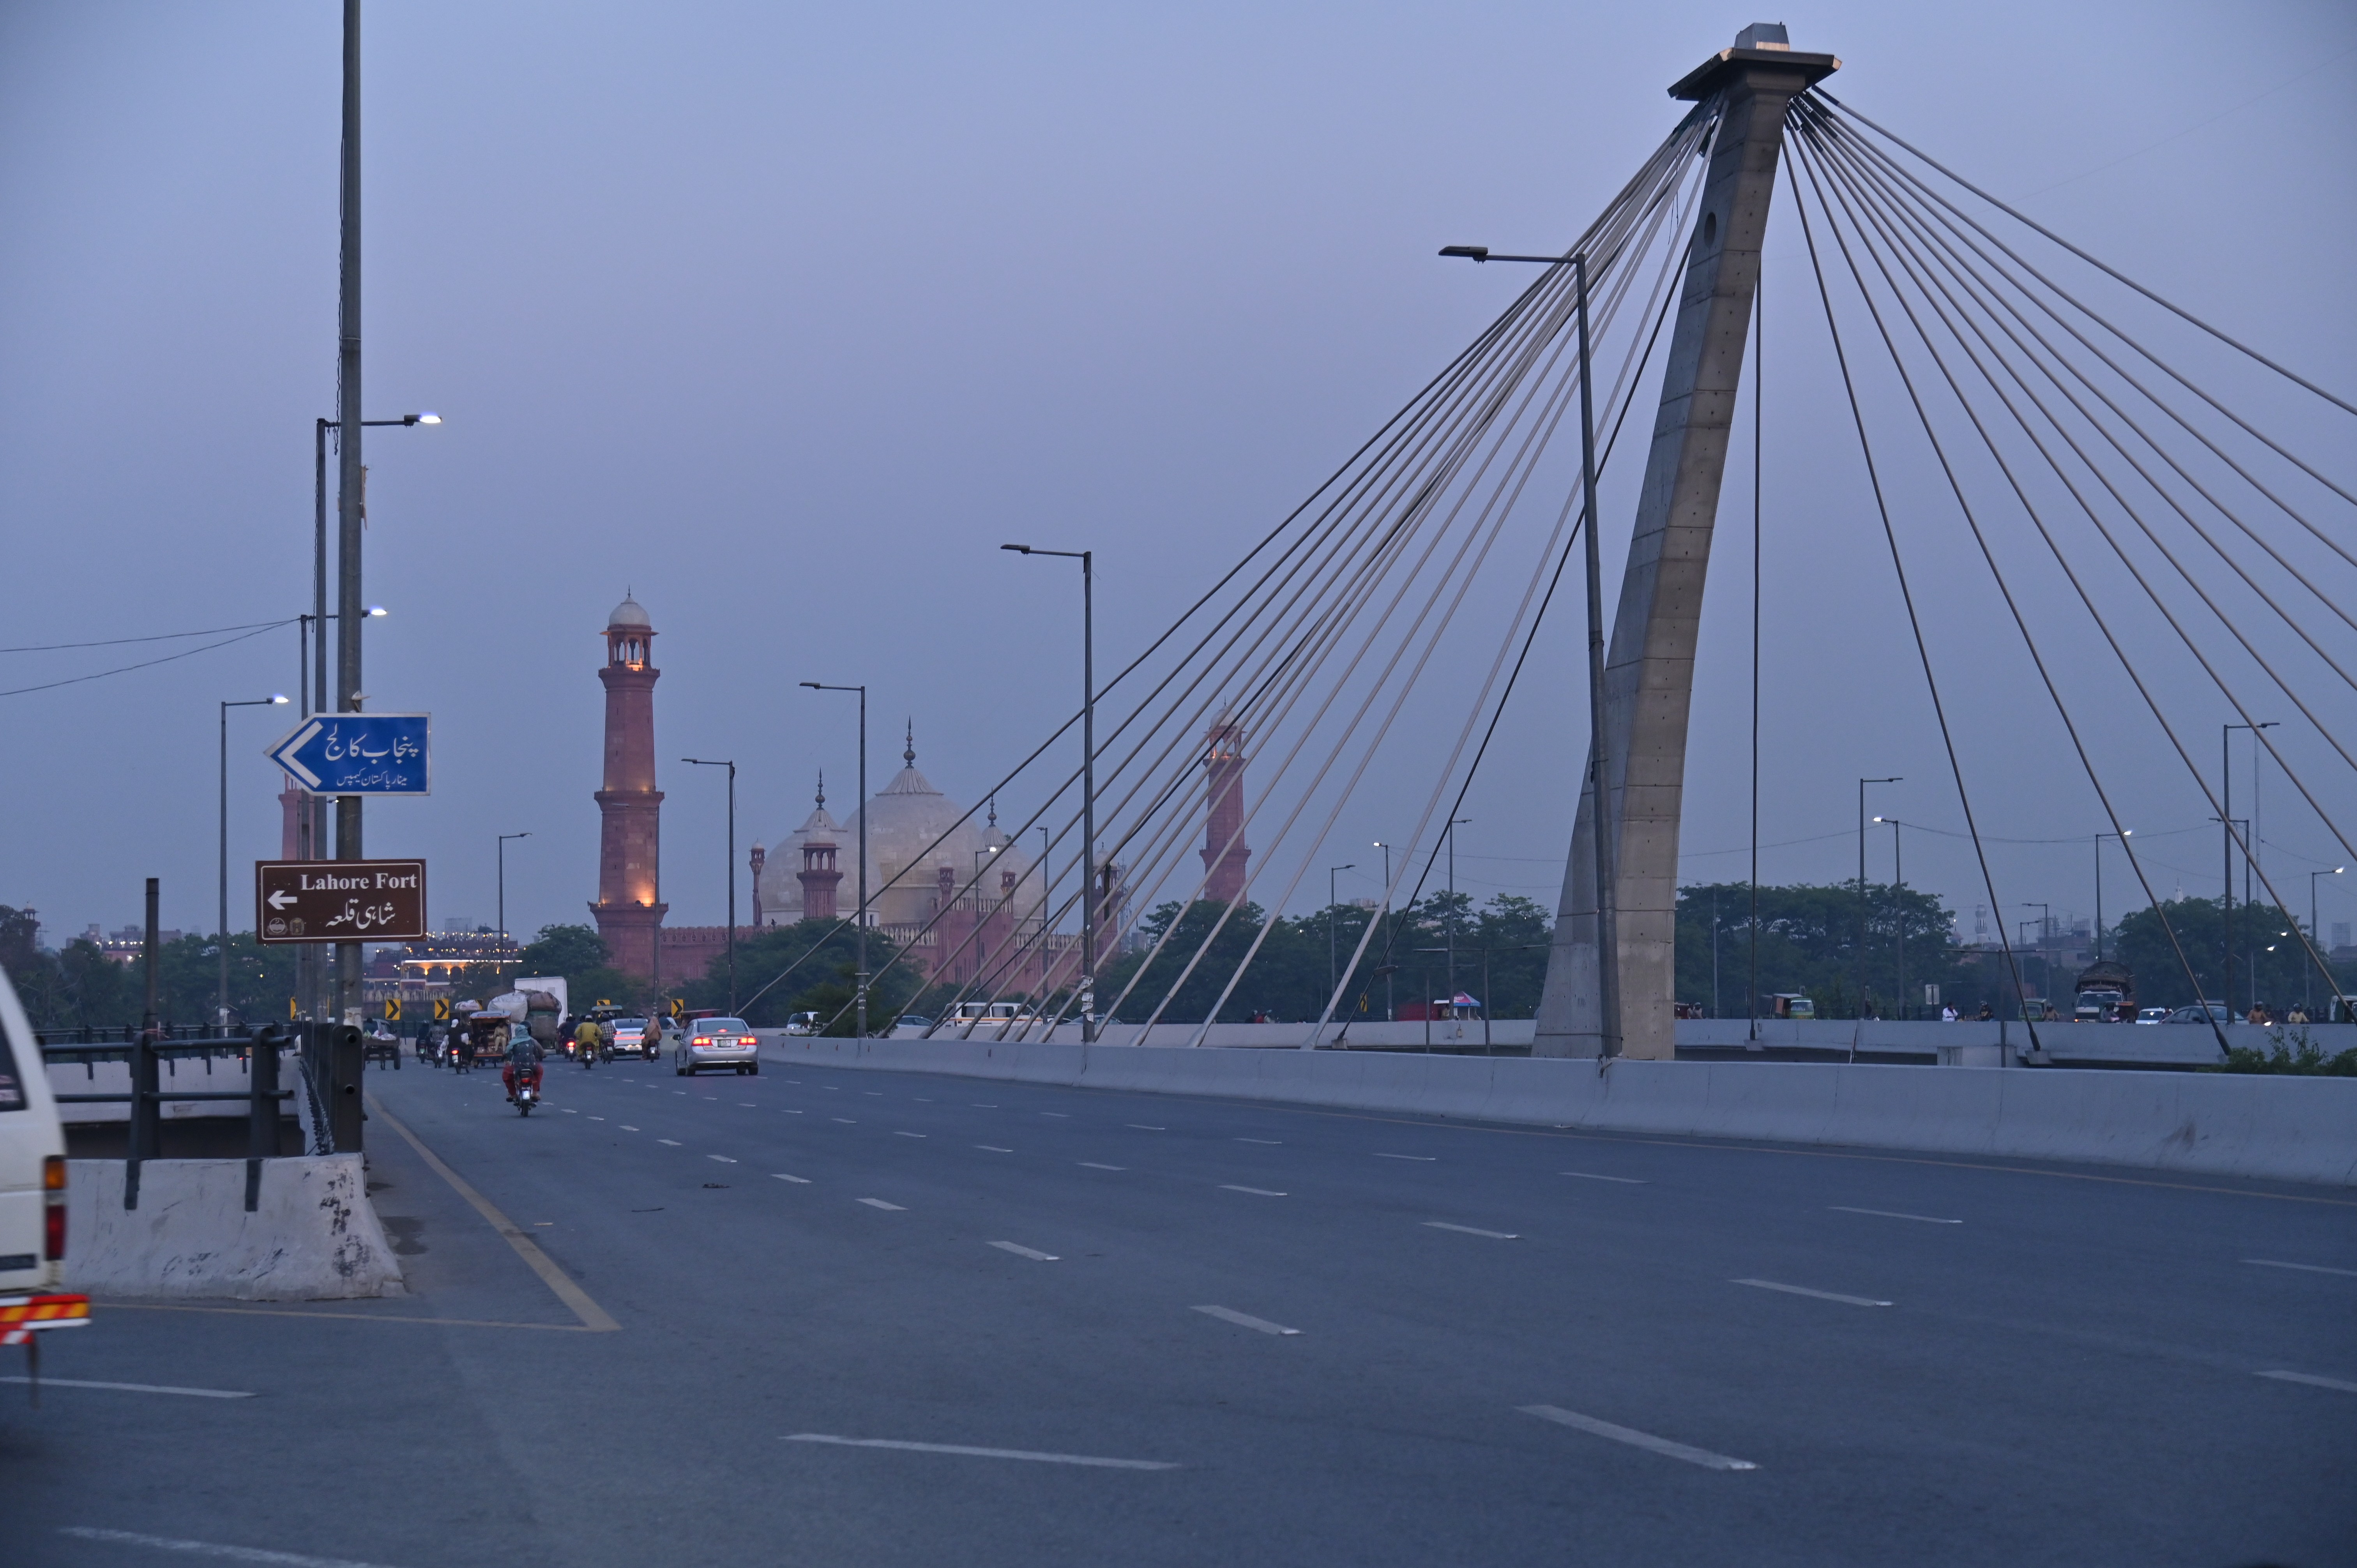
[32, 1188]
[635, 1037]
[717, 1042]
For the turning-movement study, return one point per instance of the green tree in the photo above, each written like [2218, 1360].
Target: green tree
[1808, 943]
[819, 963]
[579, 955]
[2271, 962]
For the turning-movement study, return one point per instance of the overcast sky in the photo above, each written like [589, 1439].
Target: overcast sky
[785, 316]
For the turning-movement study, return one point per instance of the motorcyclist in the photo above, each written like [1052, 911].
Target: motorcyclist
[586, 1039]
[523, 1064]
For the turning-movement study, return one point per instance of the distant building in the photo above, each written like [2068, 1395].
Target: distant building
[127, 945]
[629, 907]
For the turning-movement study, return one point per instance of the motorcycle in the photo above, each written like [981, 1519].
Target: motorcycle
[527, 1088]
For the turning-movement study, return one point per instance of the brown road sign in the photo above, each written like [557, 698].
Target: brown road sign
[338, 900]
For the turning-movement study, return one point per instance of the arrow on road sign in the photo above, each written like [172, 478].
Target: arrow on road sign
[357, 754]
[279, 898]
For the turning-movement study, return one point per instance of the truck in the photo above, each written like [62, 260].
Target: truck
[2107, 994]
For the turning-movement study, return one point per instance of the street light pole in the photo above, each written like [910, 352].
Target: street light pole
[1391, 1008]
[2315, 936]
[220, 941]
[1862, 783]
[1088, 778]
[502, 962]
[1608, 844]
[1454, 822]
[731, 766]
[859, 923]
[1899, 887]
[1333, 958]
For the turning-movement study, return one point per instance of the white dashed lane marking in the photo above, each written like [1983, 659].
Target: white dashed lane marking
[879, 1203]
[1473, 1231]
[1635, 1439]
[673, 1141]
[1260, 1140]
[2303, 1268]
[797, 1180]
[721, 1158]
[1092, 1165]
[991, 1149]
[2310, 1379]
[1889, 1214]
[1023, 1252]
[908, 1134]
[1255, 1191]
[1818, 1295]
[1427, 1159]
[1245, 1320]
[1591, 1176]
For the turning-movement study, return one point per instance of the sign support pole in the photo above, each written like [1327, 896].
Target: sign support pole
[348, 485]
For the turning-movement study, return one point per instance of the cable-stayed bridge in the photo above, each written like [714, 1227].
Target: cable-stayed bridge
[2122, 468]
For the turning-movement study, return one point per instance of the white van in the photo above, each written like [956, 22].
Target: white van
[32, 1186]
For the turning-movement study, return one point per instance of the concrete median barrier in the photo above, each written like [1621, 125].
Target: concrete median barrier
[314, 1235]
[2276, 1128]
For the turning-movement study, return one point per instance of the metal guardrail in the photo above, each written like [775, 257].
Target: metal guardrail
[328, 1062]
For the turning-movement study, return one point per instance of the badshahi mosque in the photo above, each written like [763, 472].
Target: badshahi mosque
[923, 849]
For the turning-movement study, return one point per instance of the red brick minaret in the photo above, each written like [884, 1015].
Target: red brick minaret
[629, 907]
[1224, 850]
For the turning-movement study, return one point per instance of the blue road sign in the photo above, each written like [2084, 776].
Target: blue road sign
[357, 754]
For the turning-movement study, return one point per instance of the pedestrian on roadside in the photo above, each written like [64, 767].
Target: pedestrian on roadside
[1948, 1013]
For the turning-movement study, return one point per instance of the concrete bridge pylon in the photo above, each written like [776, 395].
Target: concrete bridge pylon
[1649, 669]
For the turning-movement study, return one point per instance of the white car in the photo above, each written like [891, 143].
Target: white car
[717, 1042]
[635, 1037]
[32, 1188]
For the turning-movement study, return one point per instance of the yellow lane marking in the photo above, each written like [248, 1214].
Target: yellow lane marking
[346, 1316]
[593, 1318]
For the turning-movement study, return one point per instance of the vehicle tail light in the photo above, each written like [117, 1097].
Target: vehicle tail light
[53, 1215]
[701, 1041]
[747, 1040]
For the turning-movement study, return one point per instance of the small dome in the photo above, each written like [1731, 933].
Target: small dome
[629, 613]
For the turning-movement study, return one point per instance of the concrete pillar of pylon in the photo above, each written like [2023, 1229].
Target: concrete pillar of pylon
[1649, 669]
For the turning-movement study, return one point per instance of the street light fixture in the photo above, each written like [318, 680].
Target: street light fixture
[859, 994]
[1087, 559]
[501, 960]
[731, 766]
[222, 940]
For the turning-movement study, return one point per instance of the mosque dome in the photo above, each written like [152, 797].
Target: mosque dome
[628, 614]
[912, 828]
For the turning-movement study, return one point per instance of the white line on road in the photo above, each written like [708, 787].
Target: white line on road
[1819, 1295]
[721, 1158]
[1427, 1159]
[209, 1548]
[797, 1180]
[1245, 1320]
[873, 1093]
[1255, 1191]
[626, 1127]
[569, 1111]
[1635, 1439]
[2303, 1268]
[980, 1453]
[1260, 1140]
[2312, 1380]
[1891, 1214]
[879, 1203]
[1092, 1165]
[845, 1120]
[136, 1387]
[749, 1105]
[1591, 1176]
[793, 1112]
[673, 1141]
[1470, 1231]
[1065, 1115]
[908, 1134]
[597, 1119]
[978, 1105]
[1022, 1252]
[989, 1148]
[1142, 1127]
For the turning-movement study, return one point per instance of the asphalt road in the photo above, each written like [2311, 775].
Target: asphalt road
[883, 1318]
